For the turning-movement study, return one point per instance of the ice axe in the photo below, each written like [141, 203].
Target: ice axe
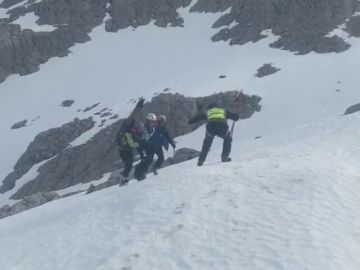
[237, 100]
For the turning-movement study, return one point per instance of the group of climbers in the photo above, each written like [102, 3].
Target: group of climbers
[150, 138]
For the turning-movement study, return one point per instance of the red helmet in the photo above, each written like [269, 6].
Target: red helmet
[162, 118]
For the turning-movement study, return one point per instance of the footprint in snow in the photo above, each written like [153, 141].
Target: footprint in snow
[179, 209]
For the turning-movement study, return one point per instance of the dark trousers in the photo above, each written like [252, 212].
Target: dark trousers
[150, 150]
[127, 157]
[216, 128]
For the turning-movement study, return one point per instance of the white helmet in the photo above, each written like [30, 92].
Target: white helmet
[151, 117]
[161, 118]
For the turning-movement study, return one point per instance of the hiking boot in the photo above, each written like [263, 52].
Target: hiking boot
[200, 162]
[225, 159]
[123, 181]
[141, 177]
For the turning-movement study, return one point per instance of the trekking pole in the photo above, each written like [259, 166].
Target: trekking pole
[237, 100]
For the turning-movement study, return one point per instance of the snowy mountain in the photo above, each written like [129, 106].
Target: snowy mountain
[289, 199]
[287, 202]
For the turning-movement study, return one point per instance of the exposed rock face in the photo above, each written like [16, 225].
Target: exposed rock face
[27, 203]
[67, 103]
[266, 70]
[181, 155]
[138, 12]
[353, 109]
[302, 26]
[46, 145]
[22, 51]
[353, 26]
[19, 124]
[89, 161]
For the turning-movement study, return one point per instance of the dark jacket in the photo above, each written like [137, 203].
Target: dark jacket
[130, 132]
[158, 136]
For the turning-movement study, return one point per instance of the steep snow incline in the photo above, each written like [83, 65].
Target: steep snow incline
[114, 68]
[286, 202]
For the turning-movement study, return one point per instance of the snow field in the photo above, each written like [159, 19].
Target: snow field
[286, 202]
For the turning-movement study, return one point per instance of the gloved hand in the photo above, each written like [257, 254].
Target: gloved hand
[140, 102]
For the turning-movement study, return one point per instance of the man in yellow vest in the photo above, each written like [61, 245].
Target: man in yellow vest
[216, 118]
[128, 139]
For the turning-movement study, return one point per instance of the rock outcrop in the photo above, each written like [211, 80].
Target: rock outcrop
[28, 203]
[99, 155]
[46, 145]
[302, 26]
[266, 70]
[352, 109]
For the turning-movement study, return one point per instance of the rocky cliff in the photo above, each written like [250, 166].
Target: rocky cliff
[301, 26]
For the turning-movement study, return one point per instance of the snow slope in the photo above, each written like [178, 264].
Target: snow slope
[289, 201]
[114, 68]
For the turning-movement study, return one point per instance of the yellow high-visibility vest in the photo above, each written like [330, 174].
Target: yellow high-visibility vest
[128, 139]
[216, 114]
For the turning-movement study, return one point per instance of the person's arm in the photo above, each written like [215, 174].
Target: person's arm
[166, 134]
[135, 113]
[197, 118]
[232, 116]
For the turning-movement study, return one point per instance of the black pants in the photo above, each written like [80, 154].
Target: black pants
[150, 150]
[216, 128]
[127, 157]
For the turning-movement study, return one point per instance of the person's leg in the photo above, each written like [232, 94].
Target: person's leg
[226, 148]
[205, 147]
[223, 132]
[160, 158]
[127, 158]
[142, 168]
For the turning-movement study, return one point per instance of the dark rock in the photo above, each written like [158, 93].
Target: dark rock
[22, 51]
[166, 90]
[266, 70]
[67, 103]
[182, 155]
[353, 26]
[115, 116]
[19, 124]
[9, 3]
[45, 146]
[113, 180]
[302, 26]
[257, 137]
[106, 114]
[28, 202]
[102, 123]
[353, 109]
[222, 77]
[91, 107]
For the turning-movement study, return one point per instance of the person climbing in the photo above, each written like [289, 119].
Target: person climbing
[148, 132]
[156, 137]
[161, 138]
[128, 139]
[216, 118]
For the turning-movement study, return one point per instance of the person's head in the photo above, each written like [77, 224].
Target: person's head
[212, 105]
[161, 119]
[151, 119]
